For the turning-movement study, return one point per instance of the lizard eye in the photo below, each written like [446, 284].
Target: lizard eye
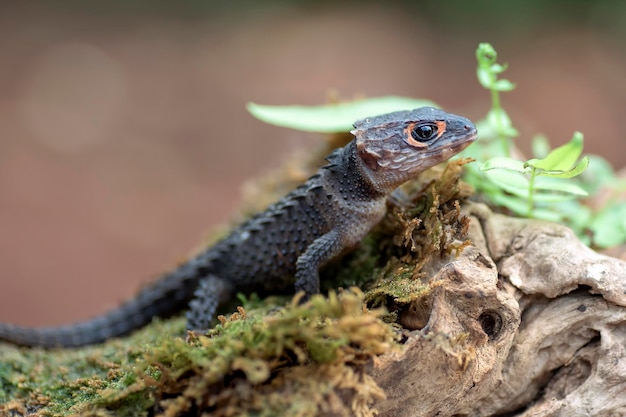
[424, 132]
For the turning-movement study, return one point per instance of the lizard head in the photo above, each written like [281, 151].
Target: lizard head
[396, 147]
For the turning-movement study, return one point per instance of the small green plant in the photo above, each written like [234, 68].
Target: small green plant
[548, 186]
[487, 73]
[540, 187]
[526, 188]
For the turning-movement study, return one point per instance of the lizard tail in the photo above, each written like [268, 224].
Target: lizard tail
[163, 298]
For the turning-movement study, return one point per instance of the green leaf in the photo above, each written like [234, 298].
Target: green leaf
[511, 182]
[547, 214]
[485, 78]
[519, 206]
[335, 117]
[599, 174]
[578, 216]
[503, 85]
[517, 184]
[486, 54]
[557, 185]
[609, 226]
[502, 162]
[576, 170]
[498, 68]
[552, 197]
[561, 158]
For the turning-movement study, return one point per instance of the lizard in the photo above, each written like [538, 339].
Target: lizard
[284, 246]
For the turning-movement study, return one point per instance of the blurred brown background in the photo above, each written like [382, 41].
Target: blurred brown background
[124, 138]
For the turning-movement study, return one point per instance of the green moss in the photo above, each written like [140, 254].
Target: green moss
[237, 369]
[401, 288]
[63, 382]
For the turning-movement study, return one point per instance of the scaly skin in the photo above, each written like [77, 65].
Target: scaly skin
[325, 217]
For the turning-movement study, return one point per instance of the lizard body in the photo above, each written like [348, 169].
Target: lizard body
[323, 218]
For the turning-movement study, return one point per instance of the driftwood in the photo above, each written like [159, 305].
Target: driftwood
[526, 322]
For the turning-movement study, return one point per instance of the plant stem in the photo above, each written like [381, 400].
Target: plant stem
[495, 105]
[531, 191]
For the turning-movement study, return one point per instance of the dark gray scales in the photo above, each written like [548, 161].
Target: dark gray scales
[286, 245]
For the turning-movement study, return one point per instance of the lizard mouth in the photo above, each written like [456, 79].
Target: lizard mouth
[453, 148]
[463, 143]
[457, 146]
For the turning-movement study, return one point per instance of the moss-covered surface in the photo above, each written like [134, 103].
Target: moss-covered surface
[299, 360]
[285, 363]
[65, 382]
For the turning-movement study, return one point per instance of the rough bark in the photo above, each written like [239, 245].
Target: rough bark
[526, 322]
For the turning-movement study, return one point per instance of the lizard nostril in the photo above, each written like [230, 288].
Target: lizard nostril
[467, 127]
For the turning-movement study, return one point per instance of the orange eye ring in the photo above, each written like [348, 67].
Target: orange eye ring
[419, 135]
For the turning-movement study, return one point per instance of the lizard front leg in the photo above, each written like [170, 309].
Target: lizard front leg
[316, 255]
